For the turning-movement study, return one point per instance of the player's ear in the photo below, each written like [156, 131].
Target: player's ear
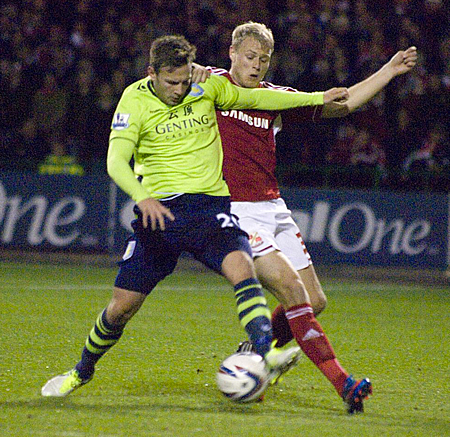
[232, 53]
[151, 72]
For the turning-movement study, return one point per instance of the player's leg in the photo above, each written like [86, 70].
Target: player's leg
[260, 221]
[254, 314]
[295, 318]
[224, 247]
[317, 297]
[140, 270]
[228, 252]
[108, 328]
[288, 239]
[278, 276]
[106, 332]
[290, 242]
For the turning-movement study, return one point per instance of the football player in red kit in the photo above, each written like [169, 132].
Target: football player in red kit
[283, 263]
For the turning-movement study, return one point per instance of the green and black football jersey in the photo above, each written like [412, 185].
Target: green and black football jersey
[178, 148]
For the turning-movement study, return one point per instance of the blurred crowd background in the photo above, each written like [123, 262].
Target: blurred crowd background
[64, 65]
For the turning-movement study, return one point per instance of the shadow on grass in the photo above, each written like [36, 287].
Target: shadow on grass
[133, 404]
[271, 410]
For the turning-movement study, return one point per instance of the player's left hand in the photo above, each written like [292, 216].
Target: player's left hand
[404, 60]
[199, 73]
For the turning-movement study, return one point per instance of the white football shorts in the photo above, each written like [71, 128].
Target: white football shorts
[271, 227]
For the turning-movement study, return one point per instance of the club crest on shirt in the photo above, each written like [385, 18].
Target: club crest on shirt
[196, 90]
[129, 250]
[120, 121]
[255, 240]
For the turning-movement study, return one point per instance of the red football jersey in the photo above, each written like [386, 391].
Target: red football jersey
[248, 139]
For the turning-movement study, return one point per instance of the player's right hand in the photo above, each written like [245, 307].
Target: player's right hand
[155, 211]
[335, 95]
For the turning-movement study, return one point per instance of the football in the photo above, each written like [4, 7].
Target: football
[243, 377]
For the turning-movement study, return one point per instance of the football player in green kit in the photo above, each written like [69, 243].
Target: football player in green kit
[168, 125]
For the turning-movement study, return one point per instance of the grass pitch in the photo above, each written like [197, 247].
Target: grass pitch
[159, 380]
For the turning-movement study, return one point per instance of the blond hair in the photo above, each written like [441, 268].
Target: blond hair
[255, 30]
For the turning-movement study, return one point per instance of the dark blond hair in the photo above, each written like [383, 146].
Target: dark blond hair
[255, 30]
[171, 51]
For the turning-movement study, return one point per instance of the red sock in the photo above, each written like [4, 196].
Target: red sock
[314, 343]
[280, 326]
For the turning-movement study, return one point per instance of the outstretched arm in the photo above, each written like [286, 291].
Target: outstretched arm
[362, 92]
[228, 96]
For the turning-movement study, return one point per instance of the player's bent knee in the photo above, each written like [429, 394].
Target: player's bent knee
[123, 306]
[238, 266]
[314, 289]
[319, 304]
[318, 300]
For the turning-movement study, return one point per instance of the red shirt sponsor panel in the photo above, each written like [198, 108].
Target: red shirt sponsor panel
[248, 139]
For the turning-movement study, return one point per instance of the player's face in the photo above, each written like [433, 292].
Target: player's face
[171, 84]
[249, 62]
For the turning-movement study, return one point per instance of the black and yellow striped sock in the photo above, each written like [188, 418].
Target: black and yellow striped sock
[102, 337]
[254, 314]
